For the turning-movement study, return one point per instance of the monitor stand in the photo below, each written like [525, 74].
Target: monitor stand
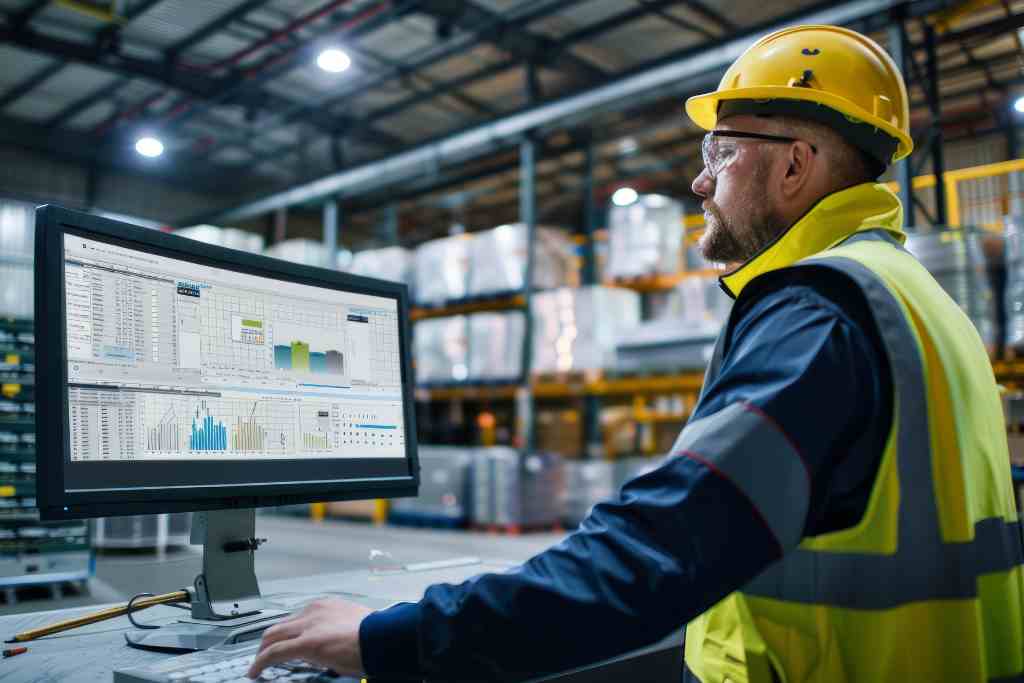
[226, 603]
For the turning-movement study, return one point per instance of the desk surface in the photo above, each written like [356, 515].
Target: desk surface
[89, 654]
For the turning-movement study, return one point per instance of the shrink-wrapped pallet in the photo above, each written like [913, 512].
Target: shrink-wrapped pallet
[576, 329]
[645, 237]
[498, 260]
[441, 350]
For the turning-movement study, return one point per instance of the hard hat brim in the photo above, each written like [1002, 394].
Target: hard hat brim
[703, 109]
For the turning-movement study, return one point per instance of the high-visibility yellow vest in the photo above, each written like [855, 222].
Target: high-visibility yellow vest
[929, 585]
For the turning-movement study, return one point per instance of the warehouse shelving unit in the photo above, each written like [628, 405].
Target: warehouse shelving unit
[32, 553]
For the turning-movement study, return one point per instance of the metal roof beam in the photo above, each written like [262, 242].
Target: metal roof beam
[447, 88]
[29, 84]
[81, 148]
[661, 79]
[717, 17]
[515, 40]
[221, 22]
[193, 84]
[80, 105]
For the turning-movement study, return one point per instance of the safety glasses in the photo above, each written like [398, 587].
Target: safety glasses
[719, 147]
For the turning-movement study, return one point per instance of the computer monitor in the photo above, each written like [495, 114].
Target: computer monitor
[180, 376]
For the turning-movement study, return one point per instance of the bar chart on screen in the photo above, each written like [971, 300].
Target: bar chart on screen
[181, 426]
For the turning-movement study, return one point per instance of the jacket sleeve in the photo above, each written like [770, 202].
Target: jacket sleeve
[674, 541]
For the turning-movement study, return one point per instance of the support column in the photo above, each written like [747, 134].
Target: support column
[897, 49]
[593, 442]
[391, 224]
[331, 232]
[527, 216]
[935, 106]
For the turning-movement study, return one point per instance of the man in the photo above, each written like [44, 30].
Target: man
[839, 507]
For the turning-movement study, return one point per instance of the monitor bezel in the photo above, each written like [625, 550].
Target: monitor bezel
[52, 423]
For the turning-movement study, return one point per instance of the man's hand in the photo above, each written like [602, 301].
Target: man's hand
[325, 633]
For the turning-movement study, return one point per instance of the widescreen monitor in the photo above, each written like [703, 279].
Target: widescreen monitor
[176, 376]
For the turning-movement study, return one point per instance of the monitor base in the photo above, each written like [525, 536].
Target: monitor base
[195, 634]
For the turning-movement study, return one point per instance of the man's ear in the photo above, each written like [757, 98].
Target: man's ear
[799, 166]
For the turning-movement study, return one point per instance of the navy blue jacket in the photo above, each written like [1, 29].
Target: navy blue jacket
[803, 347]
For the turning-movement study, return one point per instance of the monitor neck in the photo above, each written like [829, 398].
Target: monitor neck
[227, 588]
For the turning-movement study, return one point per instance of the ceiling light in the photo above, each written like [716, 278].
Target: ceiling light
[1019, 105]
[149, 146]
[333, 60]
[624, 196]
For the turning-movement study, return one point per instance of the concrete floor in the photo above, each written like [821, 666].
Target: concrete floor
[295, 547]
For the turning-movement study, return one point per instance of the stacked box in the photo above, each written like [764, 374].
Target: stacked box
[515, 489]
[645, 237]
[441, 350]
[306, 252]
[685, 338]
[232, 238]
[576, 329]
[390, 263]
[496, 346]
[445, 487]
[498, 260]
[442, 270]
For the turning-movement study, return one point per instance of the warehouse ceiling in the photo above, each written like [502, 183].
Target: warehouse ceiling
[233, 90]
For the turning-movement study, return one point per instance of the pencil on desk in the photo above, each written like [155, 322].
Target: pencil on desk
[102, 615]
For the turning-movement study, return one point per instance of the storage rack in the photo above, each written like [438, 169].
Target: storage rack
[31, 552]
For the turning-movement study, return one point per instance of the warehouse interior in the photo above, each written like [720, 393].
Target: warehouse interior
[524, 167]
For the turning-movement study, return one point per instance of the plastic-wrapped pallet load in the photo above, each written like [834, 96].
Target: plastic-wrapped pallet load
[587, 483]
[445, 487]
[17, 246]
[442, 270]
[441, 350]
[307, 252]
[496, 346]
[232, 238]
[498, 260]
[685, 338]
[576, 329]
[645, 237]
[515, 489]
[955, 257]
[1014, 296]
[389, 263]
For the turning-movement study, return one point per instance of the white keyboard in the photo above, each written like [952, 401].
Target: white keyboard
[224, 664]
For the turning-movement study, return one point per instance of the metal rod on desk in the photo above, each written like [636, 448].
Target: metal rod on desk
[102, 615]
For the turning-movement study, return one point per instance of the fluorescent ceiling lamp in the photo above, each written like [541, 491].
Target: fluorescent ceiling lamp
[149, 146]
[624, 196]
[333, 60]
[1019, 105]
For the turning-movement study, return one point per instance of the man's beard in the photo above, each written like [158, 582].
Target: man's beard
[732, 241]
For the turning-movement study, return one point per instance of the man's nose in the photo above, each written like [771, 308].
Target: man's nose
[703, 184]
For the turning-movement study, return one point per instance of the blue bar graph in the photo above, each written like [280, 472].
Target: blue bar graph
[210, 436]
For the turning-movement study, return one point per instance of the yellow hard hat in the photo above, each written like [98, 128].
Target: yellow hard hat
[826, 73]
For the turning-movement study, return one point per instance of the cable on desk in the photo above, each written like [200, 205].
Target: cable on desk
[131, 608]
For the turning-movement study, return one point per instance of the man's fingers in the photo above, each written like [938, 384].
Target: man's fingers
[275, 654]
[281, 631]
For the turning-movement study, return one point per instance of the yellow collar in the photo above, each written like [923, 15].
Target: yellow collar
[835, 217]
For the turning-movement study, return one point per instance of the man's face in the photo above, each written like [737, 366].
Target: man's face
[739, 211]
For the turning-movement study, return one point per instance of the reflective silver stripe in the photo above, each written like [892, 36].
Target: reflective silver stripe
[748, 449]
[923, 567]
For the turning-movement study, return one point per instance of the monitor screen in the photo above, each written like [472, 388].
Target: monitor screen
[195, 377]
